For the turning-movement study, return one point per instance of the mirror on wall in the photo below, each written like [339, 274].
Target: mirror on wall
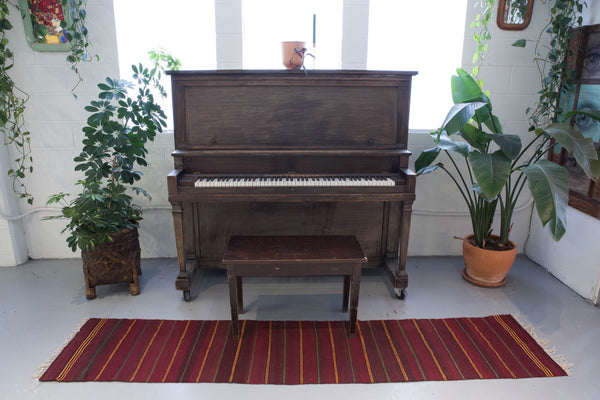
[514, 15]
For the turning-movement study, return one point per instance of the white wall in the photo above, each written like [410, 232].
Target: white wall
[12, 237]
[56, 118]
[575, 259]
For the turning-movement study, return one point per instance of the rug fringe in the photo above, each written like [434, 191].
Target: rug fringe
[560, 359]
[42, 368]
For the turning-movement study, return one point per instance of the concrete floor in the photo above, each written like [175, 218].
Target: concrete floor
[43, 301]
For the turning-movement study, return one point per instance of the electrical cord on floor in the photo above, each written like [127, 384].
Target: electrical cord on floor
[466, 213]
[38, 209]
[168, 207]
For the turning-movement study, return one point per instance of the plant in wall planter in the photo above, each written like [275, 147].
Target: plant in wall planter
[496, 168]
[103, 218]
[58, 26]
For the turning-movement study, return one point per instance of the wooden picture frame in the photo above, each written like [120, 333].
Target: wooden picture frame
[510, 14]
[584, 59]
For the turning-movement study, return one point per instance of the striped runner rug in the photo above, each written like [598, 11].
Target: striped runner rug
[301, 352]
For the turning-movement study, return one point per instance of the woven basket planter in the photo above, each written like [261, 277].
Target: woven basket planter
[115, 262]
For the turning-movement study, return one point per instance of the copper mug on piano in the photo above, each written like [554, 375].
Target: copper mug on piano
[293, 54]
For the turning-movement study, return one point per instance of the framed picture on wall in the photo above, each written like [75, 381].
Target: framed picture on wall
[591, 60]
[44, 22]
[584, 193]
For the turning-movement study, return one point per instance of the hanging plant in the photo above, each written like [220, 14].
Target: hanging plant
[481, 35]
[551, 60]
[58, 25]
[77, 35]
[12, 108]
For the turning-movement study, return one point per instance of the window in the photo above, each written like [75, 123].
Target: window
[408, 36]
[267, 23]
[403, 36]
[186, 29]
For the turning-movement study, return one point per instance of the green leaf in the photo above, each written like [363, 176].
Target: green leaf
[520, 43]
[464, 88]
[595, 165]
[549, 186]
[594, 114]
[492, 122]
[445, 143]
[459, 116]
[491, 171]
[430, 168]
[571, 139]
[475, 137]
[425, 159]
[509, 144]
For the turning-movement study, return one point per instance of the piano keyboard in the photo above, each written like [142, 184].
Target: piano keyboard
[294, 182]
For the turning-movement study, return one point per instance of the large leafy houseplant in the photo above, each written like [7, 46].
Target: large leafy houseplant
[118, 128]
[497, 165]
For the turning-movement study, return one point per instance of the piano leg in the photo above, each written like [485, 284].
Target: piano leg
[397, 245]
[406, 212]
[182, 282]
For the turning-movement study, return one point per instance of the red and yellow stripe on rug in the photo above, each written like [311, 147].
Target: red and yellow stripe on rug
[301, 352]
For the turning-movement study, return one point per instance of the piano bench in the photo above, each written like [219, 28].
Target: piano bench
[293, 256]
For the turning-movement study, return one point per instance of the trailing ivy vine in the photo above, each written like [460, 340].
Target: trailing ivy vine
[12, 108]
[551, 59]
[13, 99]
[482, 34]
[77, 35]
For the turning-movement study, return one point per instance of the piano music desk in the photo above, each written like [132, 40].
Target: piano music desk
[293, 256]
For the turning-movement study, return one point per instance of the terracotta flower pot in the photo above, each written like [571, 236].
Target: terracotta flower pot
[293, 57]
[487, 268]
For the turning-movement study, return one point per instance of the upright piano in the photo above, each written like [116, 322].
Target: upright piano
[284, 153]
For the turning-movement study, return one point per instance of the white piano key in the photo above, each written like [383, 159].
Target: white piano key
[345, 181]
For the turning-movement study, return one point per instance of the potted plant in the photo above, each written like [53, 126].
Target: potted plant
[103, 218]
[496, 168]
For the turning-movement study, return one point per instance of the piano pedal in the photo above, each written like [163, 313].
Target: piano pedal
[186, 296]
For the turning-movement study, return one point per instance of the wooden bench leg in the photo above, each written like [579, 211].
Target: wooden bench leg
[240, 297]
[232, 281]
[346, 293]
[354, 297]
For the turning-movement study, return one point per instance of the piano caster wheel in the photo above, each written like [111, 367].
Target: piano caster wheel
[400, 293]
[186, 295]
